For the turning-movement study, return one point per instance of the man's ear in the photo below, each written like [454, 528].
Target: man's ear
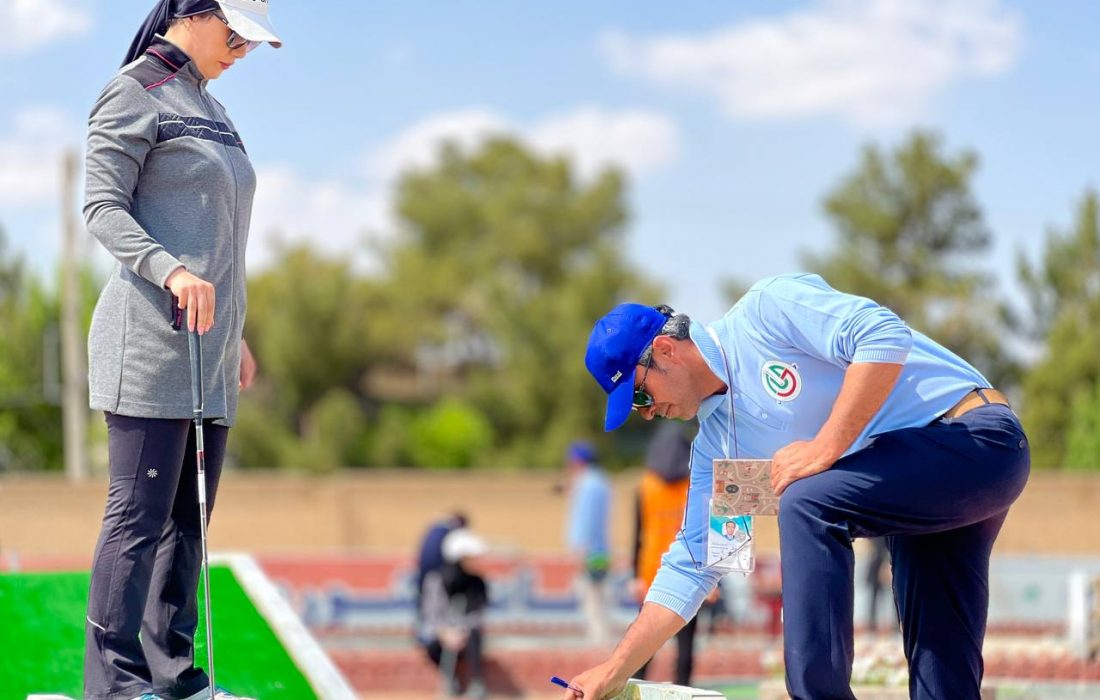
[664, 348]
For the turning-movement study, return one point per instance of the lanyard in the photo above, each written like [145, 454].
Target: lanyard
[731, 414]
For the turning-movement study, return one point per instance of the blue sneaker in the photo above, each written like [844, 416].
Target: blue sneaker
[149, 696]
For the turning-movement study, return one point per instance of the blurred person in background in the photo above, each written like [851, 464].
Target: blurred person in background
[878, 580]
[429, 556]
[452, 613]
[168, 193]
[662, 496]
[587, 535]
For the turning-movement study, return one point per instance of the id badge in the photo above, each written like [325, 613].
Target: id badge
[730, 544]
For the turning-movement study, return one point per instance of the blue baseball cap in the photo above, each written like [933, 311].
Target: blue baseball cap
[582, 451]
[614, 348]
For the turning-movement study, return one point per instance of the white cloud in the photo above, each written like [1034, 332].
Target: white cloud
[417, 146]
[333, 217]
[30, 157]
[28, 24]
[636, 141]
[337, 216]
[874, 62]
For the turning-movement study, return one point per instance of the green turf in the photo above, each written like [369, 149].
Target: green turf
[740, 691]
[42, 638]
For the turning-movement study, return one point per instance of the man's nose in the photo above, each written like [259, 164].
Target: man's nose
[649, 412]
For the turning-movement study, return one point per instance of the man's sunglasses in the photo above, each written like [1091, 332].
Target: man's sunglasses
[642, 398]
[235, 40]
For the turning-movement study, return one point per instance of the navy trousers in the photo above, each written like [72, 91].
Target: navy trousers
[939, 494]
[145, 573]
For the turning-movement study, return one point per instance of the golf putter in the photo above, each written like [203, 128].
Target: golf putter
[194, 347]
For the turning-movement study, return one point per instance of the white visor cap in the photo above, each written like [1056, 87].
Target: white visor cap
[249, 19]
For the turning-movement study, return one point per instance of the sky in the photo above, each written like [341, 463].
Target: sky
[732, 120]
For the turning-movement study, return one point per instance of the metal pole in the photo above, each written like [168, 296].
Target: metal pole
[74, 371]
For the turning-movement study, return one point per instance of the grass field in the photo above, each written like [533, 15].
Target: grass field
[43, 639]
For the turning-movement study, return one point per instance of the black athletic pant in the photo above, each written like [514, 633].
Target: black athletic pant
[147, 562]
[471, 655]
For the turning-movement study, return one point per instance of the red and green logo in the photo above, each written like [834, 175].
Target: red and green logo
[781, 380]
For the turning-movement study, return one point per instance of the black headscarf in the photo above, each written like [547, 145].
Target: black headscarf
[157, 22]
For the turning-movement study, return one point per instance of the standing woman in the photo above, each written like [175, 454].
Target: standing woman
[169, 193]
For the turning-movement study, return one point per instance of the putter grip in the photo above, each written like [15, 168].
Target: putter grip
[194, 345]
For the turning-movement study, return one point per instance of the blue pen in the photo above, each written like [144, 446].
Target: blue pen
[565, 684]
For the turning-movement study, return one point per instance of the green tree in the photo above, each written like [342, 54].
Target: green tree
[1083, 434]
[30, 365]
[1064, 292]
[467, 347]
[309, 326]
[503, 263]
[909, 232]
[451, 434]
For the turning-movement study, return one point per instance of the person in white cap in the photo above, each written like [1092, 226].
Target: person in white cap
[452, 612]
[169, 190]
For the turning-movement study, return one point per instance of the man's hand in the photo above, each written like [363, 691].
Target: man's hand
[194, 294]
[248, 365]
[654, 626]
[864, 391]
[597, 683]
[799, 460]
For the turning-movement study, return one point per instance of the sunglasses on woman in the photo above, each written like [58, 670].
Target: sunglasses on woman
[235, 40]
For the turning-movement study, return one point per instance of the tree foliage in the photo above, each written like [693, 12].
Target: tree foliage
[30, 364]
[909, 233]
[1083, 431]
[1064, 291]
[474, 330]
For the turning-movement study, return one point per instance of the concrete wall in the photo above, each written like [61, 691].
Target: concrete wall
[387, 511]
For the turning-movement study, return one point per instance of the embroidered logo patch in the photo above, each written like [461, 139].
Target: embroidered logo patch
[152, 473]
[781, 380]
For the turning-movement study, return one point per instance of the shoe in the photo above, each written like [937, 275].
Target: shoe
[149, 696]
[477, 690]
[222, 694]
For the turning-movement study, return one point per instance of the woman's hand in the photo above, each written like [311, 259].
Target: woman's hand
[194, 294]
[248, 366]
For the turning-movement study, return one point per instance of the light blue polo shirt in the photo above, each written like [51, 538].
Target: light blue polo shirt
[788, 342]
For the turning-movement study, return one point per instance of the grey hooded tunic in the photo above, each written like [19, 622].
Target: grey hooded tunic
[168, 184]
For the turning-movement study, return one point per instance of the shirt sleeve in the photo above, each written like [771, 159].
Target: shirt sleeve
[122, 130]
[806, 313]
[680, 585]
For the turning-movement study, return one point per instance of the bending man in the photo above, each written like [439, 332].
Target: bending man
[874, 430]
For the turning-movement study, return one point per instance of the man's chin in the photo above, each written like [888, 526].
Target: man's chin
[682, 414]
